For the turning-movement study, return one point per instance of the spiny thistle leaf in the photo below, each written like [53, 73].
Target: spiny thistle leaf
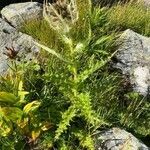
[83, 103]
[93, 66]
[64, 145]
[67, 117]
[85, 139]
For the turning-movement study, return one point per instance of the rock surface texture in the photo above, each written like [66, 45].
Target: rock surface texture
[117, 139]
[147, 3]
[18, 13]
[133, 58]
[10, 37]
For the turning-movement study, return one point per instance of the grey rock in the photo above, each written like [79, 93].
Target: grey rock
[10, 37]
[18, 13]
[133, 59]
[146, 3]
[117, 139]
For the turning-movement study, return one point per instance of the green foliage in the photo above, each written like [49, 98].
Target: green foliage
[85, 139]
[41, 31]
[77, 43]
[69, 89]
[67, 117]
[79, 100]
[137, 115]
[18, 114]
[133, 16]
[7, 97]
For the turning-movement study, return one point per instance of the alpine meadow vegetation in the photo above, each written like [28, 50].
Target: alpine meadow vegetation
[69, 91]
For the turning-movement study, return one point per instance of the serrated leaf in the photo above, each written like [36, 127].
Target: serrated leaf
[93, 66]
[67, 117]
[87, 72]
[86, 141]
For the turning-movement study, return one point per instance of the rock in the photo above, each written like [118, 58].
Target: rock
[133, 59]
[146, 3]
[18, 13]
[7, 2]
[10, 37]
[117, 139]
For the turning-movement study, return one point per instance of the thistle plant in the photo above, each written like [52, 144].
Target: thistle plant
[67, 68]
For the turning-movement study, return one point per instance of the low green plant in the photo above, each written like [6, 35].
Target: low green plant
[17, 113]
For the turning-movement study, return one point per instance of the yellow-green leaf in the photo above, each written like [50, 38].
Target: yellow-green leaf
[20, 88]
[5, 126]
[30, 107]
[46, 126]
[23, 123]
[8, 97]
[22, 95]
[21, 92]
[12, 113]
[35, 134]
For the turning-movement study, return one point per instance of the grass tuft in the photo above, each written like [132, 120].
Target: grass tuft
[130, 16]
